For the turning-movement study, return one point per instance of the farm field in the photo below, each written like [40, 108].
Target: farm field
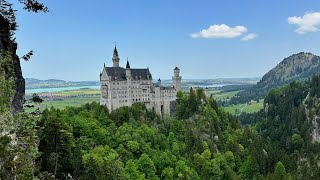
[79, 97]
[249, 108]
[236, 109]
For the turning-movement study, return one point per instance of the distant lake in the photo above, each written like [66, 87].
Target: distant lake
[210, 85]
[42, 90]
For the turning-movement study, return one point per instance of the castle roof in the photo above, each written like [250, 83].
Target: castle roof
[128, 65]
[119, 73]
[176, 68]
[167, 88]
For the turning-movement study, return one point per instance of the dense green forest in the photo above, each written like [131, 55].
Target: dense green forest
[201, 142]
[290, 120]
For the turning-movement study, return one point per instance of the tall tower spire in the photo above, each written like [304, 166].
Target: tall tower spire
[128, 64]
[115, 57]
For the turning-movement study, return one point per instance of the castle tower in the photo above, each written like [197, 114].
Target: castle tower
[159, 82]
[128, 69]
[115, 57]
[129, 79]
[176, 79]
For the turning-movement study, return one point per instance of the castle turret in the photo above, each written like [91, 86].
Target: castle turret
[159, 82]
[176, 79]
[115, 57]
[129, 83]
[128, 69]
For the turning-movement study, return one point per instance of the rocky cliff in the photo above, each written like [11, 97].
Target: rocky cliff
[7, 44]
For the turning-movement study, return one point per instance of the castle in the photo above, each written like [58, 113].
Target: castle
[125, 86]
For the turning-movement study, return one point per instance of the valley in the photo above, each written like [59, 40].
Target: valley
[61, 97]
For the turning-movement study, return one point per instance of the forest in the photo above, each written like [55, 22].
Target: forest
[201, 141]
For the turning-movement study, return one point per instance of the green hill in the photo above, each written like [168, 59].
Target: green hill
[300, 67]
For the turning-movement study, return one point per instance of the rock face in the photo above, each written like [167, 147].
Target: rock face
[7, 44]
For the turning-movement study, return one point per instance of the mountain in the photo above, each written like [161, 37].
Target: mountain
[300, 67]
[32, 83]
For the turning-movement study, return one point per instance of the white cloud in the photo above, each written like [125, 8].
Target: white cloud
[249, 37]
[220, 31]
[309, 22]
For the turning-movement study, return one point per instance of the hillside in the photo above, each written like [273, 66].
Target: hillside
[32, 83]
[290, 119]
[300, 67]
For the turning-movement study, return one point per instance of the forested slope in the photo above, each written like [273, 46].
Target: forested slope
[201, 142]
[290, 119]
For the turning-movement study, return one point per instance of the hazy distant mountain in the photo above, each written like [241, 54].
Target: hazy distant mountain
[32, 83]
[300, 67]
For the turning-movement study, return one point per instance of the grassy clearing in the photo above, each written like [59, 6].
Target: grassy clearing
[70, 102]
[236, 109]
[250, 108]
[219, 95]
[78, 92]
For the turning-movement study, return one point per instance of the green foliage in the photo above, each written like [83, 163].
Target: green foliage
[6, 81]
[36, 98]
[249, 169]
[56, 143]
[297, 140]
[279, 170]
[289, 120]
[201, 142]
[102, 163]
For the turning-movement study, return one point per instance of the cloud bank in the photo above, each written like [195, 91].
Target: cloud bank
[309, 22]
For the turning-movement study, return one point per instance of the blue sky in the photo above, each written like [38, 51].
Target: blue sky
[205, 38]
